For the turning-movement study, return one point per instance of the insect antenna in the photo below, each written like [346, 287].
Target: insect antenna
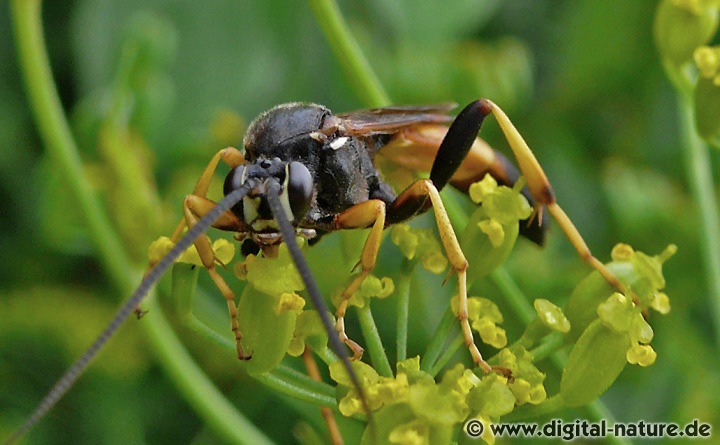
[78, 368]
[288, 234]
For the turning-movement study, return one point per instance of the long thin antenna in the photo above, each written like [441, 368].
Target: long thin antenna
[272, 189]
[78, 368]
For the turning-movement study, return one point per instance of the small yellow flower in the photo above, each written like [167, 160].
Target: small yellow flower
[494, 231]
[223, 249]
[479, 190]
[422, 244]
[412, 433]
[551, 315]
[661, 303]
[707, 60]
[289, 302]
[643, 355]
[622, 252]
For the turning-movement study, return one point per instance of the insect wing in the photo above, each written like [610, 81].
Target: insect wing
[390, 120]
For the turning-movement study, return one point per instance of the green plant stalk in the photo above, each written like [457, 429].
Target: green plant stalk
[299, 388]
[348, 53]
[326, 355]
[698, 170]
[435, 347]
[57, 138]
[447, 354]
[402, 287]
[547, 347]
[513, 295]
[374, 342]
[210, 404]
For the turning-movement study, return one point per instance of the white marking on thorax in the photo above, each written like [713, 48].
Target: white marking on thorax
[339, 143]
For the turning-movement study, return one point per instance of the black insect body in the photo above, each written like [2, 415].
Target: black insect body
[304, 171]
[339, 151]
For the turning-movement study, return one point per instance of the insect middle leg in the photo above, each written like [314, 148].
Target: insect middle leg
[419, 192]
[371, 212]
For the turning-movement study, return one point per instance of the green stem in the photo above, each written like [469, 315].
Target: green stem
[327, 355]
[513, 295]
[699, 172]
[548, 347]
[447, 354]
[436, 344]
[55, 133]
[58, 140]
[373, 341]
[698, 168]
[348, 53]
[192, 382]
[287, 381]
[403, 295]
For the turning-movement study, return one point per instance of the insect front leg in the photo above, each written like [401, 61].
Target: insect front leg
[194, 208]
[371, 212]
[230, 156]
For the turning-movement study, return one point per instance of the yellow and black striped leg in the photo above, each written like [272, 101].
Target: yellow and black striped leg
[362, 215]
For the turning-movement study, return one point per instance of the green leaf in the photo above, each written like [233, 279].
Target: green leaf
[266, 335]
[594, 363]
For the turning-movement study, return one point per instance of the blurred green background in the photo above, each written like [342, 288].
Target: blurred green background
[175, 81]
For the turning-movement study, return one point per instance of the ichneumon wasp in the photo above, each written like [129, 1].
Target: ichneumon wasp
[304, 171]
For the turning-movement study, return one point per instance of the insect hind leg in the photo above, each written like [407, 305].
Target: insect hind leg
[544, 196]
[457, 142]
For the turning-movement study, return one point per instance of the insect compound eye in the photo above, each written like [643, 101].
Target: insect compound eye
[299, 188]
[233, 181]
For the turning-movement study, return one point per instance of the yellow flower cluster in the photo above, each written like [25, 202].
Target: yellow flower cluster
[422, 244]
[484, 317]
[224, 251]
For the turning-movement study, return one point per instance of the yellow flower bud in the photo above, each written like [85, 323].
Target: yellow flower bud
[482, 188]
[494, 231]
[289, 302]
[661, 303]
[643, 355]
[622, 252]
